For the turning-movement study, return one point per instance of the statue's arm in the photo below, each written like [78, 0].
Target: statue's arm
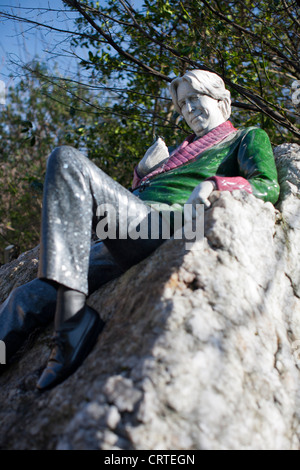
[155, 156]
[257, 165]
[257, 171]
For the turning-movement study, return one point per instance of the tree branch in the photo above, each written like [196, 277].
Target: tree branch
[243, 30]
[107, 37]
[261, 104]
[52, 28]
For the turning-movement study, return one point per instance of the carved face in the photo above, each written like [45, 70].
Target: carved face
[201, 112]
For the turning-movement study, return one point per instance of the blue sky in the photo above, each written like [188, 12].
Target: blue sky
[21, 42]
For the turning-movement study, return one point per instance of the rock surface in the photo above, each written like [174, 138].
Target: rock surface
[18, 272]
[200, 349]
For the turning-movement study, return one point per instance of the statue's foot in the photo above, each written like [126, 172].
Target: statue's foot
[72, 345]
[3, 368]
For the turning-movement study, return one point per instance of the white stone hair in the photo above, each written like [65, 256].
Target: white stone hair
[205, 83]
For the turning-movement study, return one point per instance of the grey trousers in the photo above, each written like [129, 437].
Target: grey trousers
[77, 196]
[74, 191]
[33, 304]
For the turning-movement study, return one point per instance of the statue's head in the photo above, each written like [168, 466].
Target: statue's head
[202, 99]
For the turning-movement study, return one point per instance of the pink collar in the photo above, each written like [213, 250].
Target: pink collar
[190, 148]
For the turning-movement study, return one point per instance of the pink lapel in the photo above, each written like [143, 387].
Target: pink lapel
[189, 149]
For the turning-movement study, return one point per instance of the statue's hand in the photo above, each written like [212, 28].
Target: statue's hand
[155, 156]
[201, 193]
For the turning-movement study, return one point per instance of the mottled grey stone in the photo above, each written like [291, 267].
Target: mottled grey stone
[200, 349]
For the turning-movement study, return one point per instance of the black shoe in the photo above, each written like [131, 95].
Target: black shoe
[72, 345]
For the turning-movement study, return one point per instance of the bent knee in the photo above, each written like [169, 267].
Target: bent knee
[63, 156]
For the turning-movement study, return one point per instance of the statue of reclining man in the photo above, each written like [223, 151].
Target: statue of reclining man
[215, 157]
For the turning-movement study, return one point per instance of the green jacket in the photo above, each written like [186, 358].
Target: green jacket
[247, 154]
